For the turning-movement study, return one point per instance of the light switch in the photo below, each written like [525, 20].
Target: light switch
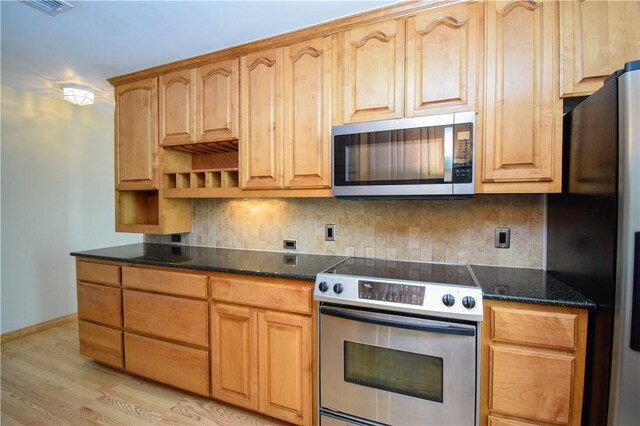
[503, 237]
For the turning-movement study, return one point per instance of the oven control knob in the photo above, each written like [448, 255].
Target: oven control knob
[338, 288]
[468, 302]
[323, 286]
[448, 300]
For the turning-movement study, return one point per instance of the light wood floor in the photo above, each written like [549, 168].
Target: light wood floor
[45, 381]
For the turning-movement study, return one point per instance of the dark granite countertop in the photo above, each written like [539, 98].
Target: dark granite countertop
[527, 286]
[250, 262]
[497, 283]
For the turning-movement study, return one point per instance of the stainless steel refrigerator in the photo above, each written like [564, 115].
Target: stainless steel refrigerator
[593, 241]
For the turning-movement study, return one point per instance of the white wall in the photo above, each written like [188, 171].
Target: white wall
[57, 197]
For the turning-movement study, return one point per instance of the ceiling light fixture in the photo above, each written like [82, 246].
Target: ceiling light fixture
[77, 95]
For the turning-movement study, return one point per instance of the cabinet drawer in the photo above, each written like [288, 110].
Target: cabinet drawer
[98, 273]
[497, 421]
[542, 390]
[175, 365]
[177, 283]
[536, 328]
[184, 320]
[103, 344]
[283, 297]
[100, 304]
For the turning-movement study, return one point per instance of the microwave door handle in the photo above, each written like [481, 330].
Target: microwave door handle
[448, 154]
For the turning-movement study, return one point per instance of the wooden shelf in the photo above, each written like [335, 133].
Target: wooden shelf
[246, 193]
[209, 183]
[209, 178]
[205, 147]
[137, 208]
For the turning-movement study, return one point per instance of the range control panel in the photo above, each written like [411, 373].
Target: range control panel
[424, 298]
[391, 292]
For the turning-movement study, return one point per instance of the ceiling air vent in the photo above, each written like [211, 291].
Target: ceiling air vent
[50, 7]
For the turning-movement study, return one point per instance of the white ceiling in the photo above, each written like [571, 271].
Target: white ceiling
[96, 40]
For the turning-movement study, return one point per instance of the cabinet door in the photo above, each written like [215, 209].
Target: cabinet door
[522, 136]
[261, 140]
[307, 126]
[136, 129]
[234, 358]
[217, 93]
[177, 104]
[285, 365]
[596, 38]
[442, 58]
[373, 61]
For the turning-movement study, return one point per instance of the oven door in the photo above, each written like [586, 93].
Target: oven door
[397, 370]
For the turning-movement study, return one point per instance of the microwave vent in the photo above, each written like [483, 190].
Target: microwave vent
[50, 7]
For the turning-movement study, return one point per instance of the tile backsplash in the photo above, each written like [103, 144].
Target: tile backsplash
[427, 230]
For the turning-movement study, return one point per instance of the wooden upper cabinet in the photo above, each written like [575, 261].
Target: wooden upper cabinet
[442, 58]
[217, 94]
[372, 59]
[136, 129]
[522, 143]
[307, 117]
[596, 39]
[177, 102]
[261, 137]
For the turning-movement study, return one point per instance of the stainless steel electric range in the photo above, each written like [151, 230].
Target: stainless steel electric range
[399, 343]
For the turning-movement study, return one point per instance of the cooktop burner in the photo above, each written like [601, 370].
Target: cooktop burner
[439, 273]
[436, 289]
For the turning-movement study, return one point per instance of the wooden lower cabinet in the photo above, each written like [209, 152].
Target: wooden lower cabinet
[285, 366]
[532, 364]
[497, 421]
[263, 346]
[234, 367]
[103, 344]
[167, 317]
[100, 311]
[100, 304]
[262, 360]
[98, 273]
[176, 365]
[248, 341]
[167, 334]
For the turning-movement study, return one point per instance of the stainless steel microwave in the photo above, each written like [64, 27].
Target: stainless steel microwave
[405, 158]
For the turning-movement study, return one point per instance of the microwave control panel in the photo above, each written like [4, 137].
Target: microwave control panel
[463, 153]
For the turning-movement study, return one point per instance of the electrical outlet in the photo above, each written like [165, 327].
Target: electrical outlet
[289, 244]
[330, 232]
[503, 237]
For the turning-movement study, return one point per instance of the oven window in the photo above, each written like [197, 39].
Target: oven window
[392, 370]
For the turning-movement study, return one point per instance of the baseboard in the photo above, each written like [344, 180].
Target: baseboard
[12, 335]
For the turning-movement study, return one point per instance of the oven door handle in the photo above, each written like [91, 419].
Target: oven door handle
[415, 324]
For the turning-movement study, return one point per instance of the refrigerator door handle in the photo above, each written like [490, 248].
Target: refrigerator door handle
[635, 303]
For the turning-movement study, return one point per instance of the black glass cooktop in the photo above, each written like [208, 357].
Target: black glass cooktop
[439, 273]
